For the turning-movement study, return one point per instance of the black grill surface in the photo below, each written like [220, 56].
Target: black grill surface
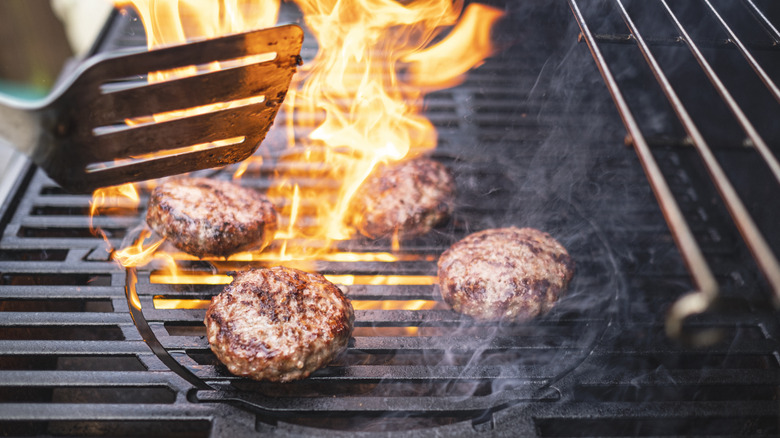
[533, 140]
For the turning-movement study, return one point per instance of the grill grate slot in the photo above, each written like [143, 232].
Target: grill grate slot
[559, 427]
[129, 428]
[123, 363]
[99, 332]
[63, 232]
[722, 392]
[54, 305]
[409, 354]
[52, 279]
[33, 255]
[85, 394]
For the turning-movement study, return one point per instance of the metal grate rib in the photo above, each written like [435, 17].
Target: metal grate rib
[446, 366]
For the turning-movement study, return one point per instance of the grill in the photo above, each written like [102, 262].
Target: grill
[533, 139]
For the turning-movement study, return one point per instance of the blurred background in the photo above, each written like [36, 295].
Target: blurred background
[34, 47]
[39, 39]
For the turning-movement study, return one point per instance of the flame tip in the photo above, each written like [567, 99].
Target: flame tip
[354, 107]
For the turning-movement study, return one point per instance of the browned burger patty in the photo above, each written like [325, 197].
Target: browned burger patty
[409, 198]
[278, 324]
[207, 217]
[510, 274]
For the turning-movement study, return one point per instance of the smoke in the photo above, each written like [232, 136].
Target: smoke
[530, 152]
[555, 158]
[535, 142]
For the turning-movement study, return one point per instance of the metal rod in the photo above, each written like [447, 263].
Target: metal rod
[750, 233]
[758, 142]
[625, 38]
[748, 56]
[146, 332]
[767, 25]
[689, 248]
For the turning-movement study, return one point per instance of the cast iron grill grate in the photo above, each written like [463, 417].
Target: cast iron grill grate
[525, 152]
[407, 343]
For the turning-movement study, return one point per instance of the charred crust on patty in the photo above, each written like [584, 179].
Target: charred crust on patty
[278, 324]
[407, 199]
[510, 274]
[206, 217]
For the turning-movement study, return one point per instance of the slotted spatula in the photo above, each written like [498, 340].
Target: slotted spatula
[80, 137]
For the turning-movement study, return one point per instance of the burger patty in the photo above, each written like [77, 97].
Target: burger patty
[278, 324]
[407, 198]
[511, 274]
[207, 217]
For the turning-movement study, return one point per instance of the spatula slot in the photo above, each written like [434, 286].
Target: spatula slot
[178, 114]
[109, 165]
[184, 71]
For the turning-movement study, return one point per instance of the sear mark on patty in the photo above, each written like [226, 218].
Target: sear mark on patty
[278, 324]
[511, 274]
[206, 217]
[407, 198]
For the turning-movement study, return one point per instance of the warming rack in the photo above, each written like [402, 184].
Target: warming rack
[707, 294]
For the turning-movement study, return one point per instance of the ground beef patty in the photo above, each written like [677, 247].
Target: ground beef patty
[410, 197]
[207, 217]
[510, 274]
[278, 324]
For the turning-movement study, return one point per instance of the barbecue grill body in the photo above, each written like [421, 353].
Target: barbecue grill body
[533, 139]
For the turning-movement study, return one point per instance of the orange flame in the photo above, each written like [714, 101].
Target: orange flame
[170, 22]
[162, 302]
[138, 254]
[108, 200]
[444, 64]
[175, 277]
[358, 110]
[392, 305]
[395, 304]
[173, 303]
[391, 280]
[351, 105]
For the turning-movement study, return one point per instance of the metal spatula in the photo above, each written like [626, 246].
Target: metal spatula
[80, 134]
